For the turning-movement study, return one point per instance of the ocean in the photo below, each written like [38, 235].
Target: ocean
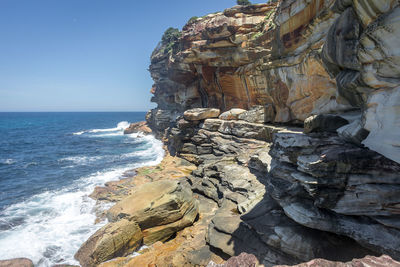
[49, 164]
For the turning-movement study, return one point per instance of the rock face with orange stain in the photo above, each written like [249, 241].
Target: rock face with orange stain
[296, 57]
[250, 55]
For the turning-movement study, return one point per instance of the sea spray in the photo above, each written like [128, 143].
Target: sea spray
[50, 226]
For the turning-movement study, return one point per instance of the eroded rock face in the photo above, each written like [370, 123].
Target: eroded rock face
[294, 58]
[324, 183]
[138, 127]
[160, 208]
[234, 167]
[362, 52]
[263, 54]
[112, 240]
[153, 212]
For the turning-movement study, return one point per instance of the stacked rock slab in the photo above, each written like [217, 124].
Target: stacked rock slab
[153, 212]
[233, 158]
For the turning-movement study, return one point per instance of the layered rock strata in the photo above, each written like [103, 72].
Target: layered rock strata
[335, 187]
[296, 59]
[153, 212]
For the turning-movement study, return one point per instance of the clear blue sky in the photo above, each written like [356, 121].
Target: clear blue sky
[85, 55]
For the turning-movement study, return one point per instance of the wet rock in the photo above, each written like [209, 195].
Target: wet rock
[198, 114]
[18, 262]
[112, 240]
[138, 127]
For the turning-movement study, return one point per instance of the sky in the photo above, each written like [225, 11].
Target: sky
[85, 55]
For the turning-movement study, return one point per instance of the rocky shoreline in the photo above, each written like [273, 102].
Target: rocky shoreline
[281, 126]
[258, 188]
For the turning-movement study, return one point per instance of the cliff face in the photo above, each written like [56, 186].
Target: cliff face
[296, 58]
[329, 190]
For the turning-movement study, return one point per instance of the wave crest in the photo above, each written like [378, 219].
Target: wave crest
[121, 126]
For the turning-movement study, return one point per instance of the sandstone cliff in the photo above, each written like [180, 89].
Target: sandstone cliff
[285, 193]
[296, 58]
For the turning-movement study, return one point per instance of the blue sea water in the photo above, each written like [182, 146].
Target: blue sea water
[49, 164]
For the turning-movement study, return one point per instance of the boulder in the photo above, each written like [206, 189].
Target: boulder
[197, 114]
[231, 114]
[138, 127]
[163, 232]
[112, 240]
[154, 204]
[323, 123]
[18, 262]
[256, 114]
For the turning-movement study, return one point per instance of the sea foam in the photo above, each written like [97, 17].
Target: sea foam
[121, 126]
[50, 227]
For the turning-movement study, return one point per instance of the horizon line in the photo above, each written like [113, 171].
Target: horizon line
[42, 111]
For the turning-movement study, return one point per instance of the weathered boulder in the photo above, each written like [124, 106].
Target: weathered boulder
[231, 114]
[166, 204]
[323, 123]
[197, 114]
[255, 115]
[112, 240]
[18, 262]
[187, 249]
[138, 127]
[163, 232]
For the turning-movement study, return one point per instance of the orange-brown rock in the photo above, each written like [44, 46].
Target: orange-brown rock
[188, 248]
[254, 55]
[138, 127]
[170, 168]
[112, 240]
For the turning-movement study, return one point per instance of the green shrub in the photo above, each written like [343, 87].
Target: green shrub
[192, 19]
[243, 2]
[170, 38]
[170, 35]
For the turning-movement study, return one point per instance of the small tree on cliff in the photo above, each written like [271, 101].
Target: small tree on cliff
[243, 2]
[170, 35]
[170, 38]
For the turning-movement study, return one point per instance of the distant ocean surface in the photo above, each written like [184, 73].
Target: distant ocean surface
[49, 164]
